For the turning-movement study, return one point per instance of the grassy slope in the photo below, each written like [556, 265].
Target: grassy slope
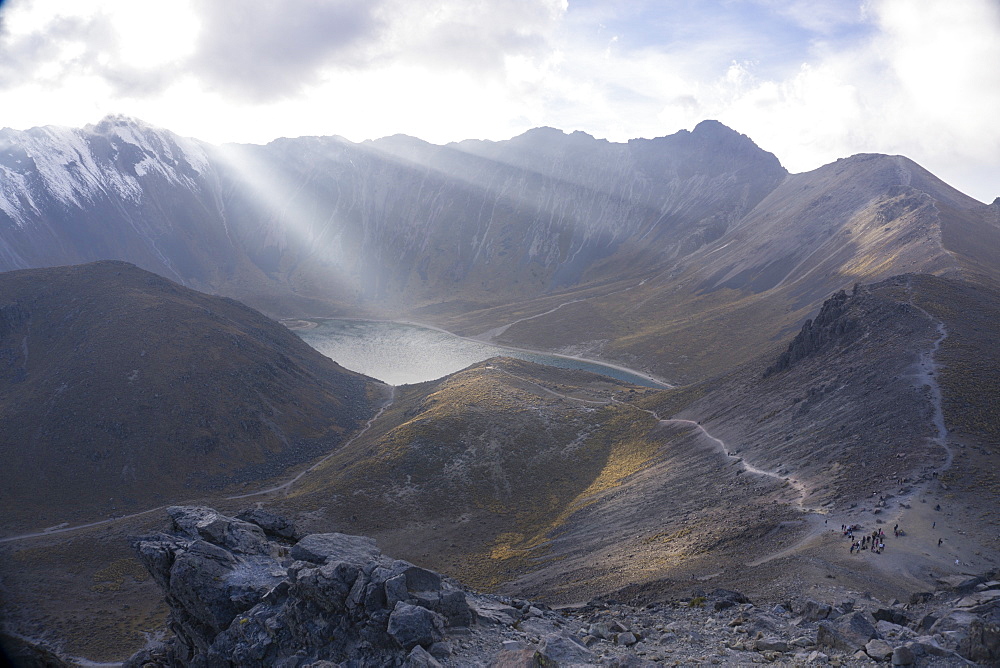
[120, 391]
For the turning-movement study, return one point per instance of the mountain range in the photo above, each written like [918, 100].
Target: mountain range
[830, 337]
[650, 250]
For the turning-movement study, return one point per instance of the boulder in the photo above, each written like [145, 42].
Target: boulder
[814, 611]
[420, 658]
[770, 644]
[417, 579]
[879, 650]
[848, 633]
[982, 643]
[340, 602]
[273, 524]
[903, 656]
[962, 584]
[196, 522]
[894, 615]
[411, 625]
[496, 613]
[321, 547]
[726, 598]
[564, 650]
[521, 658]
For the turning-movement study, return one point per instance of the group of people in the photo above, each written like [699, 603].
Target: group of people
[875, 541]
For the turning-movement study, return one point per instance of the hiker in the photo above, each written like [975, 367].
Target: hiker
[940, 540]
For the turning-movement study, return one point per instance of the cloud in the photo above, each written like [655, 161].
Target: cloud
[261, 49]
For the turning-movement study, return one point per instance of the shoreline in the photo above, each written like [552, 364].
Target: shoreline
[311, 323]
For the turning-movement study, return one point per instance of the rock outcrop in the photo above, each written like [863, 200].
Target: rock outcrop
[832, 326]
[241, 596]
[238, 598]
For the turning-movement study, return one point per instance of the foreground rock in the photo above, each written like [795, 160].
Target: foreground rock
[243, 595]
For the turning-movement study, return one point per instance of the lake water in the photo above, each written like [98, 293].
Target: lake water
[399, 353]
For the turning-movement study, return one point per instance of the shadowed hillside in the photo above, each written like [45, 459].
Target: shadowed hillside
[120, 390]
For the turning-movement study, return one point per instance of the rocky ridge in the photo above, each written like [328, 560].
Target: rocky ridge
[252, 591]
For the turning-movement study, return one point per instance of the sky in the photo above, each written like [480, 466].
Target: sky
[809, 80]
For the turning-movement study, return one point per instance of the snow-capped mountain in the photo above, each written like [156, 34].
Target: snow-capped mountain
[645, 251]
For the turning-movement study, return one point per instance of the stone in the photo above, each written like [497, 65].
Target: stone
[848, 633]
[962, 584]
[982, 643]
[879, 650]
[564, 650]
[954, 621]
[723, 599]
[903, 656]
[395, 590]
[521, 658]
[417, 579]
[770, 644]
[894, 615]
[207, 524]
[981, 601]
[321, 547]
[628, 639]
[440, 650]
[925, 623]
[889, 631]
[814, 611]
[271, 523]
[411, 625]
[490, 612]
[420, 658]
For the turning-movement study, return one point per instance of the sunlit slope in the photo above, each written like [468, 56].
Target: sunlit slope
[120, 390]
[479, 472]
[861, 219]
[511, 477]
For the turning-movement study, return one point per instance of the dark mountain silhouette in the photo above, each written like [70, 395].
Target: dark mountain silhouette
[120, 390]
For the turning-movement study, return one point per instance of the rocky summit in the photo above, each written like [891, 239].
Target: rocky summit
[252, 592]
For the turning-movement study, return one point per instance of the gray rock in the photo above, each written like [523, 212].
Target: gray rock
[272, 523]
[770, 644]
[903, 656]
[417, 579]
[890, 631]
[848, 633]
[982, 643]
[321, 547]
[879, 650]
[814, 611]
[894, 615]
[962, 584]
[521, 658]
[925, 623]
[981, 601]
[491, 612]
[817, 657]
[420, 658]
[327, 586]
[411, 625]
[954, 621]
[563, 649]
[440, 650]
[235, 535]
[395, 590]
[627, 639]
